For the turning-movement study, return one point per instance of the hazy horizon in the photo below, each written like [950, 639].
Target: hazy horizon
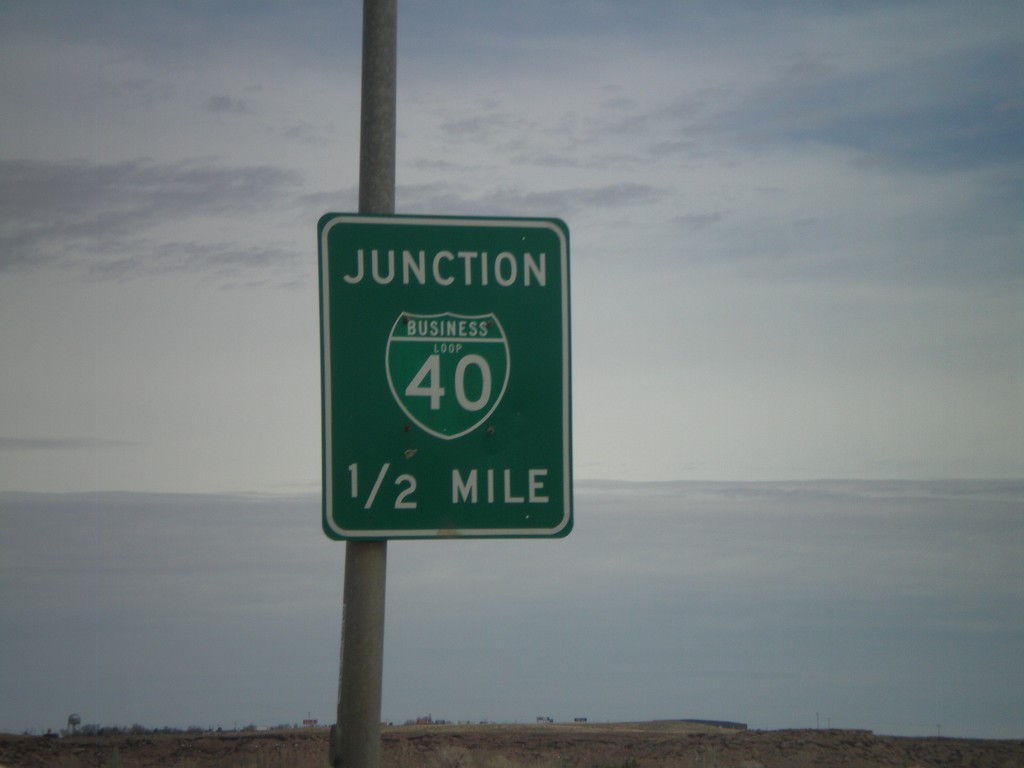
[891, 606]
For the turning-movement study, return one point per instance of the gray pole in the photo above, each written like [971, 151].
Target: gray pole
[377, 126]
[355, 740]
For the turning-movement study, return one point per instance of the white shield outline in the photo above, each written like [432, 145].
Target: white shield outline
[404, 317]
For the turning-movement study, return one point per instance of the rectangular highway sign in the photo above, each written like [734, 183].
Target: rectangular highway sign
[445, 359]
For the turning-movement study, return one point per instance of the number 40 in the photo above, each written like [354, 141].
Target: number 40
[427, 382]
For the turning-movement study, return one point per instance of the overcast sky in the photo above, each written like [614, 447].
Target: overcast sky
[796, 253]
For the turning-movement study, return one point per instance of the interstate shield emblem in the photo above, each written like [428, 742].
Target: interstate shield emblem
[447, 372]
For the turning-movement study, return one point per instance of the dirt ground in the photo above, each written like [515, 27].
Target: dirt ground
[666, 744]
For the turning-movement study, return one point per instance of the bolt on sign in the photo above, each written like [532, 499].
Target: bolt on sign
[446, 386]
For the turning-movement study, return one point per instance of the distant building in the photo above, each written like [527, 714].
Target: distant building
[717, 723]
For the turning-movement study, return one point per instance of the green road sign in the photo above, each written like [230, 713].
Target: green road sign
[446, 386]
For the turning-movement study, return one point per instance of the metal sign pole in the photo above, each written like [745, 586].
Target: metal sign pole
[355, 740]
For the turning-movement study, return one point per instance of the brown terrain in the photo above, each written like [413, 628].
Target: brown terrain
[666, 744]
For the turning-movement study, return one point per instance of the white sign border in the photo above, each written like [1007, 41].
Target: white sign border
[325, 342]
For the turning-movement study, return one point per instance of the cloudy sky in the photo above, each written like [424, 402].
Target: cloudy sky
[796, 254]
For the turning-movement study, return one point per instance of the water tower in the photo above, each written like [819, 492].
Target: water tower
[73, 722]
